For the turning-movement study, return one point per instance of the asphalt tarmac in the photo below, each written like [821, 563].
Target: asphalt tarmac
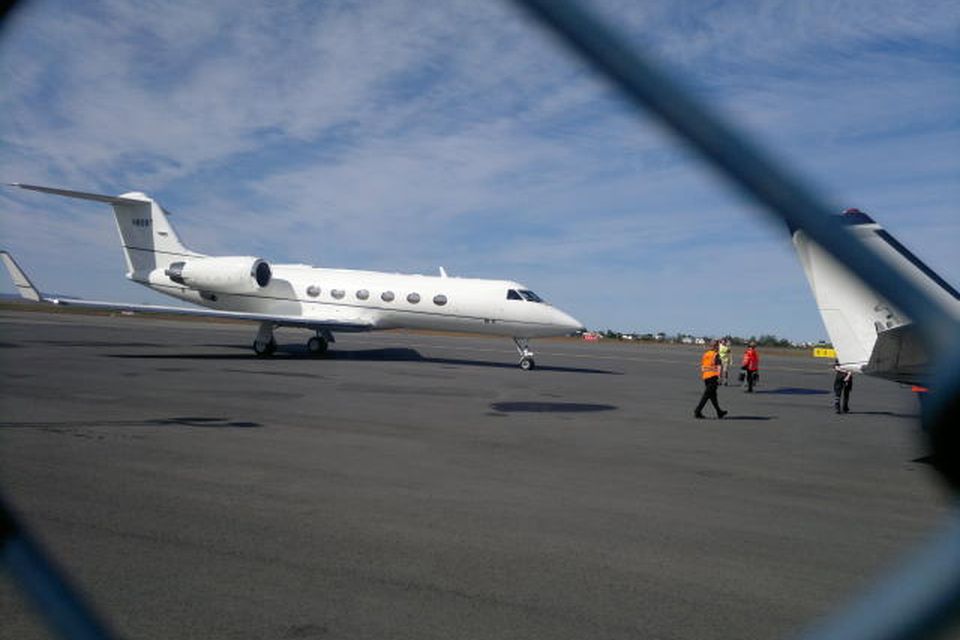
[416, 486]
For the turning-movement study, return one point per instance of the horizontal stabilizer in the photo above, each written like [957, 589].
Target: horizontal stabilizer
[82, 195]
[24, 287]
[899, 354]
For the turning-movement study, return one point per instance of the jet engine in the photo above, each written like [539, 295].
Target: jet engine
[230, 274]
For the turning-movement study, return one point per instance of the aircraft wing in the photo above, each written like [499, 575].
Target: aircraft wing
[306, 322]
[26, 290]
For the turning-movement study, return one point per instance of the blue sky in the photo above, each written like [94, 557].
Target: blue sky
[402, 136]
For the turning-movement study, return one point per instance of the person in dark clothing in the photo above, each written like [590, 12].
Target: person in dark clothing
[842, 384]
[710, 372]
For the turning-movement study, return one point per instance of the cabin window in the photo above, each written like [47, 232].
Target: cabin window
[363, 294]
[387, 296]
[337, 293]
[530, 295]
[313, 291]
[513, 295]
[413, 298]
[440, 300]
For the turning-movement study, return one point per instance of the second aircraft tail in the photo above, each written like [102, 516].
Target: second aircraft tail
[855, 316]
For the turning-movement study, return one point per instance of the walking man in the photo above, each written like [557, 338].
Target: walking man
[842, 384]
[710, 372]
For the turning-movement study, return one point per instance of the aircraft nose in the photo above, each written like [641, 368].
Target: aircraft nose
[569, 322]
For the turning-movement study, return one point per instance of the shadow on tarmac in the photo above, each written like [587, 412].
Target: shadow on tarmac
[892, 414]
[390, 354]
[549, 407]
[794, 391]
[92, 343]
[728, 417]
[180, 421]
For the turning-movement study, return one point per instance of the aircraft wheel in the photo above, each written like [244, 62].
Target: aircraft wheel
[264, 349]
[527, 364]
[317, 346]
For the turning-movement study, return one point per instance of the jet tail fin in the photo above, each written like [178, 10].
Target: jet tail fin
[149, 240]
[855, 315]
[24, 287]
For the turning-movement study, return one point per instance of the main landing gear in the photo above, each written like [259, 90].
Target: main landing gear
[526, 355]
[265, 345]
[318, 344]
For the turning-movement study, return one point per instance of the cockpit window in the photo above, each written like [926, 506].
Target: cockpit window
[513, 295]
[530, 295]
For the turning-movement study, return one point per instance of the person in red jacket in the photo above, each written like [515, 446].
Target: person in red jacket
[751, 366]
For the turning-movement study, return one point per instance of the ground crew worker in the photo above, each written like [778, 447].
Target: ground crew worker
[710, 372]
[842, 384]
[724, 352]
[751, 365]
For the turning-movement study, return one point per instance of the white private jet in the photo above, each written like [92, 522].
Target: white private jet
[294, 295]
[869, 334]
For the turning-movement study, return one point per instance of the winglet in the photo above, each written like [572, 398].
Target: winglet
[24, 287]
[443, 272]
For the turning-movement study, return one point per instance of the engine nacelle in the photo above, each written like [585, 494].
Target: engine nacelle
[230, 274]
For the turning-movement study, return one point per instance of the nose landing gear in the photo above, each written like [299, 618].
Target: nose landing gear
[526, 355]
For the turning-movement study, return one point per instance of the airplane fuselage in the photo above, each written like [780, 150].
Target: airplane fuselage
[386, 301]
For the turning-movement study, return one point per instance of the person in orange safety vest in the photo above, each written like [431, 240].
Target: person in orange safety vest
[710, 372]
